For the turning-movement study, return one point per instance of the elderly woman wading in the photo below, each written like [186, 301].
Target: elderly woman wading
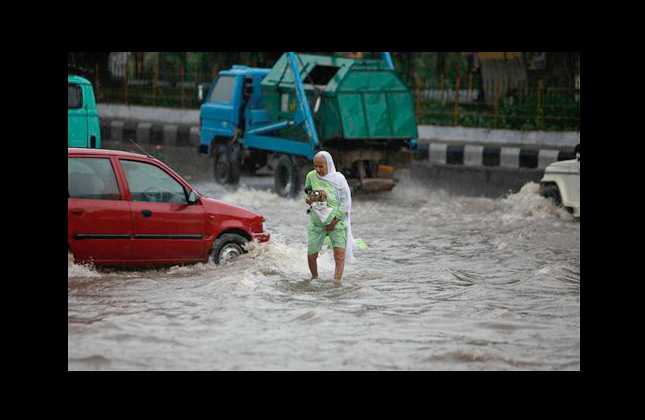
[337, 224]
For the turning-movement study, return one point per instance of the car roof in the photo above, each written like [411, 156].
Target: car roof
[80, 151]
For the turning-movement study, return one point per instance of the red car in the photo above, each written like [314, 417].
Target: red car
[133, 210]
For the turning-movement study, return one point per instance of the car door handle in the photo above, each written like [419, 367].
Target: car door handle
[77, 212]
[146, 213]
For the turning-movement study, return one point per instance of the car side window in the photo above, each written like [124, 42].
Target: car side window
[91, 178]
[150, 183]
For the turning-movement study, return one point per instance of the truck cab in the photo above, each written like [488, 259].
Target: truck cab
[82, 117]
[232, 104]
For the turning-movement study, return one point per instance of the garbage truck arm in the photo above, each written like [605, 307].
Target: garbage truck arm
[385, 56]
[303, 112]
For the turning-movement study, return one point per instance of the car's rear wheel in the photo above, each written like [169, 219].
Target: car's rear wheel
[227, 248]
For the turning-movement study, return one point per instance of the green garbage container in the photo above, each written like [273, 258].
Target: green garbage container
[351, 99]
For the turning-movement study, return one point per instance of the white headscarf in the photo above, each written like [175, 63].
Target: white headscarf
[344, 197]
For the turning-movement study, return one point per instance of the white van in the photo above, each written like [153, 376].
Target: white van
[561, 183]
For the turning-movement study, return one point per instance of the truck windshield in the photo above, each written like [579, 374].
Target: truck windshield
[223, 90]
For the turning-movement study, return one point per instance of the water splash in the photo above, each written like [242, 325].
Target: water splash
[529, 203]
[448, 282]
[79, 270]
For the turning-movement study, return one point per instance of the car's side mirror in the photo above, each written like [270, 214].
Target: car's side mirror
[193, 197]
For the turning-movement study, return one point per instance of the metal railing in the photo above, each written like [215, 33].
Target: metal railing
[524, 107]
[493, 105]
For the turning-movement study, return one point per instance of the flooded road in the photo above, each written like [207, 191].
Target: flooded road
[449, 282]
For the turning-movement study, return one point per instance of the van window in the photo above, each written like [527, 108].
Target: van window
[150, 183]
[223, 90]
[74, 96]
[91, 178]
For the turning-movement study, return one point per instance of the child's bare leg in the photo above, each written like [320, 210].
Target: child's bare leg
[339, 258]
[313, 265]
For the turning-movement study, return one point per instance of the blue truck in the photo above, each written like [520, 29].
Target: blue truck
[357, 109]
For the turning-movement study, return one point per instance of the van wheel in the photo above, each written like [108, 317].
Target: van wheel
[552, 192]
[227, 248]
[287, 177]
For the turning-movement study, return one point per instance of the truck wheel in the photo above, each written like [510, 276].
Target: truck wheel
[287, 178]
[227, 248]
[221, 164]
[227, 164]
[235, 156]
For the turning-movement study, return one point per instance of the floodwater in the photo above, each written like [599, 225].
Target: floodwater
[449, 282]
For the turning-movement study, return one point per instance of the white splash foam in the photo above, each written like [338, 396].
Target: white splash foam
[79, 270]
[529, 203]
